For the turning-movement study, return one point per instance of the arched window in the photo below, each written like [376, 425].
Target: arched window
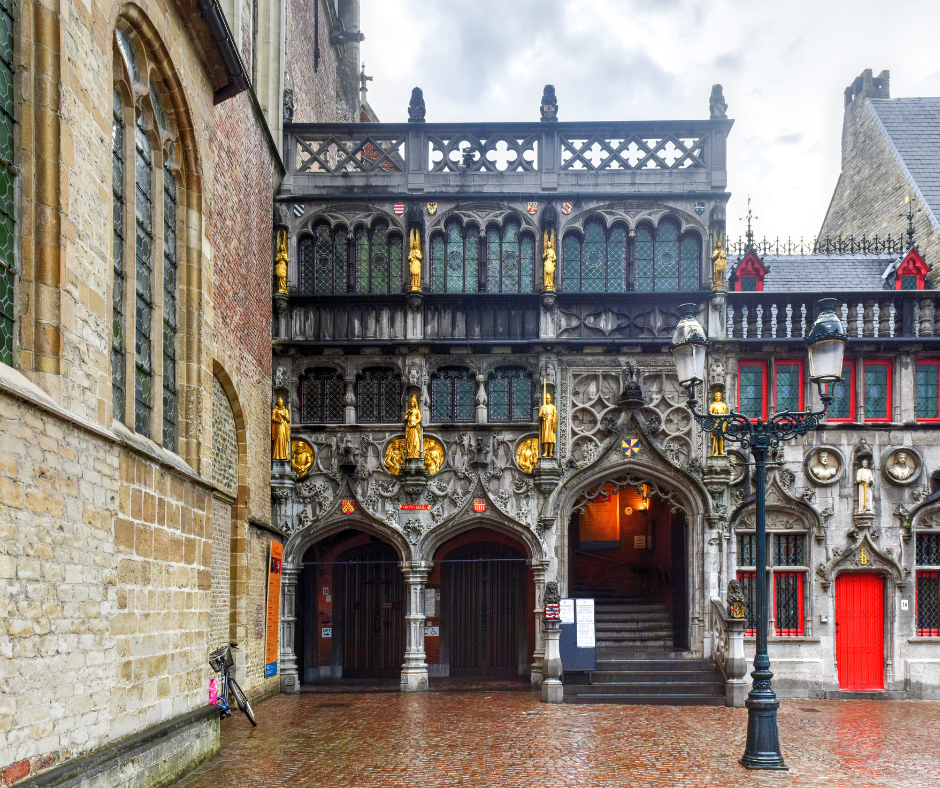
[378, 397]
[510, 259]
[453, 395]
[509, 393]
[378, 260]
[322, 396]
[143, 312]
[664, 261]
[455, 255]
[595, 262]
[322, 261]
[117, 246]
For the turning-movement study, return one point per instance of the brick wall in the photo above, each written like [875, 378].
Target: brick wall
[221, 552]
[315, 98]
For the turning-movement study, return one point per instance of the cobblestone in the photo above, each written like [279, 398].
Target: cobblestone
[511, 739]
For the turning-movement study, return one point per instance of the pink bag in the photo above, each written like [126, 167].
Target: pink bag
[213, 692]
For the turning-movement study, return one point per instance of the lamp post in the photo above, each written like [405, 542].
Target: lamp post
[826, 346]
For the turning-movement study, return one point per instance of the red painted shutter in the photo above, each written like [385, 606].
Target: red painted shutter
[860, 631]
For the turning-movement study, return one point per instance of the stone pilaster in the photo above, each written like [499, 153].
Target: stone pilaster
[290, 680]
[539, 569]
[552, 689]
[414, 671]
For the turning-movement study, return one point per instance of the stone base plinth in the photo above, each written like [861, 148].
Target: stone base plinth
[553, 691]
[414, 678]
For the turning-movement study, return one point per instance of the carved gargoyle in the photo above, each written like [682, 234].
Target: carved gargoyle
[416, 108]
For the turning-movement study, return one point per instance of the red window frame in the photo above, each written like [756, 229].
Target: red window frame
[763, 366]
[750, 267]
[927, 419]
[913, 265]
[749, 632]
[924, 631]
[799, 366]
[888, 375]
[851, 417]
[789, 632]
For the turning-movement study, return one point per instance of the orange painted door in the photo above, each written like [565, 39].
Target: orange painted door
[860, 631]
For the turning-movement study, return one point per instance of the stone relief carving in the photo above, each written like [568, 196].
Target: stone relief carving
[824, 465]
[593, 413]
[901, 466]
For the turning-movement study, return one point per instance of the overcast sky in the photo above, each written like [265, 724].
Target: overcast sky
[783, 65]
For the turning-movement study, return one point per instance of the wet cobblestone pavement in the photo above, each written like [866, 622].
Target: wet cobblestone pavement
[511, 739]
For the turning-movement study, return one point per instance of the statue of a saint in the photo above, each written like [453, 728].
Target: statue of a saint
[433, 456]
[548, 421]
[866, 480]
[413, 429]
[301, 458]
[280, 263]
[414, 262]
[902, 468]
[549, 258]
[527, 454]
[280, 431]
[718, 408]
[823, 468]
[720, 264]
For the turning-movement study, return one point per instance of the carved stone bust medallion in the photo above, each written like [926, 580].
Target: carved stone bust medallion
[824, 465]
[901, 465]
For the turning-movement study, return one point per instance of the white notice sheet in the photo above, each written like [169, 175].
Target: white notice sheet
[567, 611]
[584, 610]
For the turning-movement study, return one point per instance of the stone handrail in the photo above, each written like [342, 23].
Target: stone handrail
[728, 652]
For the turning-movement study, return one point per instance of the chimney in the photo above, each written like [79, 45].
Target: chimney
[868, 86]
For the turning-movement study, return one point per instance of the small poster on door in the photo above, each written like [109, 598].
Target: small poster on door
[326, 632]
[584, 614]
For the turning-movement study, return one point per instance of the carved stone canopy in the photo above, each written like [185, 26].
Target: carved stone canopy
[864, 555]
[901, 465]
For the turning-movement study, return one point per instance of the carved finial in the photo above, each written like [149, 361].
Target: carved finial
[909, 215]
[363, 88]
[416, 108]
[549, 106]
[717, 105]
[750, 230]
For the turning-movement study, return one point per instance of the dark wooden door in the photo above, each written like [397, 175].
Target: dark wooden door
[371, 612]
[483, 589]
[860, 631]
[678, 574]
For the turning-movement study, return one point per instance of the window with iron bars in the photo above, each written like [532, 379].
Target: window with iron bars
[453, 395]
[378, 397]
[509, 395]
[927, 561]
[787, 567]
[322, 397]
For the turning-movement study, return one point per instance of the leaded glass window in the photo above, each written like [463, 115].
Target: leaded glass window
[787, 387]
[143, 356]
[789, 549]
[841, 405]
[454, 259]
[118, 349]
[509, 394]
[877, 392]
[747, 550]
[595, 262]
[378, 397]
[909, 283]
[664, 261]
[510, 260]
[322, 397]
[453, 395]
[322, 261]
[378, 260]
[748, 581]
[927, 551]
[7, 181]
[927, 391]
[170, 270]
[751, 392]
[927, 554]
[788, 604]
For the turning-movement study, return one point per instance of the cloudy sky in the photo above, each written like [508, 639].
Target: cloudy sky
[783, 65]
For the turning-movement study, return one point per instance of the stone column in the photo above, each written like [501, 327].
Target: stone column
[539, 569]
[552, 689]
[290, 680]
[481, 400]
[349, 401]
[414, 671]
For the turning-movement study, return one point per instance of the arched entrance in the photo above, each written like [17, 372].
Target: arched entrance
[351, 609]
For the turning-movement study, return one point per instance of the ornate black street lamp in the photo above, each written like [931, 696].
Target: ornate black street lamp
[826, 346]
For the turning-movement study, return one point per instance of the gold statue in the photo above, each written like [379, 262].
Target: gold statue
[280, 263]
[433, 456]
[718, 408]
[548, 422]
[395, 456]
[280, 431]
[527, 454]
[301, 459]
[720, 263]
[413, 429]
[414, 261]
[549, 258]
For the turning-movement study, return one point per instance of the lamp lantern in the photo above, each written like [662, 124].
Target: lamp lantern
[688, 347]
[826, 344]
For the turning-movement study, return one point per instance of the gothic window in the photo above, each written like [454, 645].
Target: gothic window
[322, 396]
[322, 261]
[117, 245]
[666, 261]
[143, 313]
[378, 260]
[378, 397]
[927, 391]
[170, 269]
[510, 259]
[7, 181]
[787, 566]
[455, 255]
[927, 560]
[509, 394]
[453, 395]
[595, 262]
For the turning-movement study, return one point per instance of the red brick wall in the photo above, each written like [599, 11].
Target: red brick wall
[314, 92]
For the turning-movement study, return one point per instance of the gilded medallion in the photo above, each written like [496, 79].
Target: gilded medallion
[433, 455]
[301, 459]
[395, 455]
[527, 454]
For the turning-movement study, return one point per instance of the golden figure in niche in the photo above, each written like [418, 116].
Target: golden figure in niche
[301, 459]
[718, 408]
[395, 456]
[280, 263]
[527, 454]
[433, 455]
[719, 263]
[548, 423]
[280, 431]
[549, 258]
[413, 429]
[414, 260]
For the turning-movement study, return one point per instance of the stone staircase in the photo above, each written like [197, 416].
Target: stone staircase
[637, 661]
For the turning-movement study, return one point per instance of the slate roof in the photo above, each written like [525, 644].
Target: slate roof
[794, 273]
[912, 128]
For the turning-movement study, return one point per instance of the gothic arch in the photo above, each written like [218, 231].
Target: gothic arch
[301, 540]
[465, 520]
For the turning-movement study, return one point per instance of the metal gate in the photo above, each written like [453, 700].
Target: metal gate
[483, 588]
[860, 631]
[370, 614]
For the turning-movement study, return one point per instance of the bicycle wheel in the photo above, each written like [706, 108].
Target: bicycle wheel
[241, 700]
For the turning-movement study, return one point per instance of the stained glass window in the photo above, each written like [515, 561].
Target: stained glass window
[751, 392]
[453, 395]
[378, 397]
[927, 391]
[509, 394]
[170, 285]
[143, 356]
[664, 261]
[789, 549]
[118, 384]
[787, 387]
[322, 397]
[378, 260]
[841, 406]
[7, 180]
[877, 398]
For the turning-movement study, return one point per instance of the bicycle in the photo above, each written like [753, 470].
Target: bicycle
[221, 661]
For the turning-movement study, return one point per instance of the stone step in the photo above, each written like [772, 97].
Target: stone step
[639, 617]
[666, 688]
[620, 630]
[631, 655]
[711, 676]
[649, 700]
